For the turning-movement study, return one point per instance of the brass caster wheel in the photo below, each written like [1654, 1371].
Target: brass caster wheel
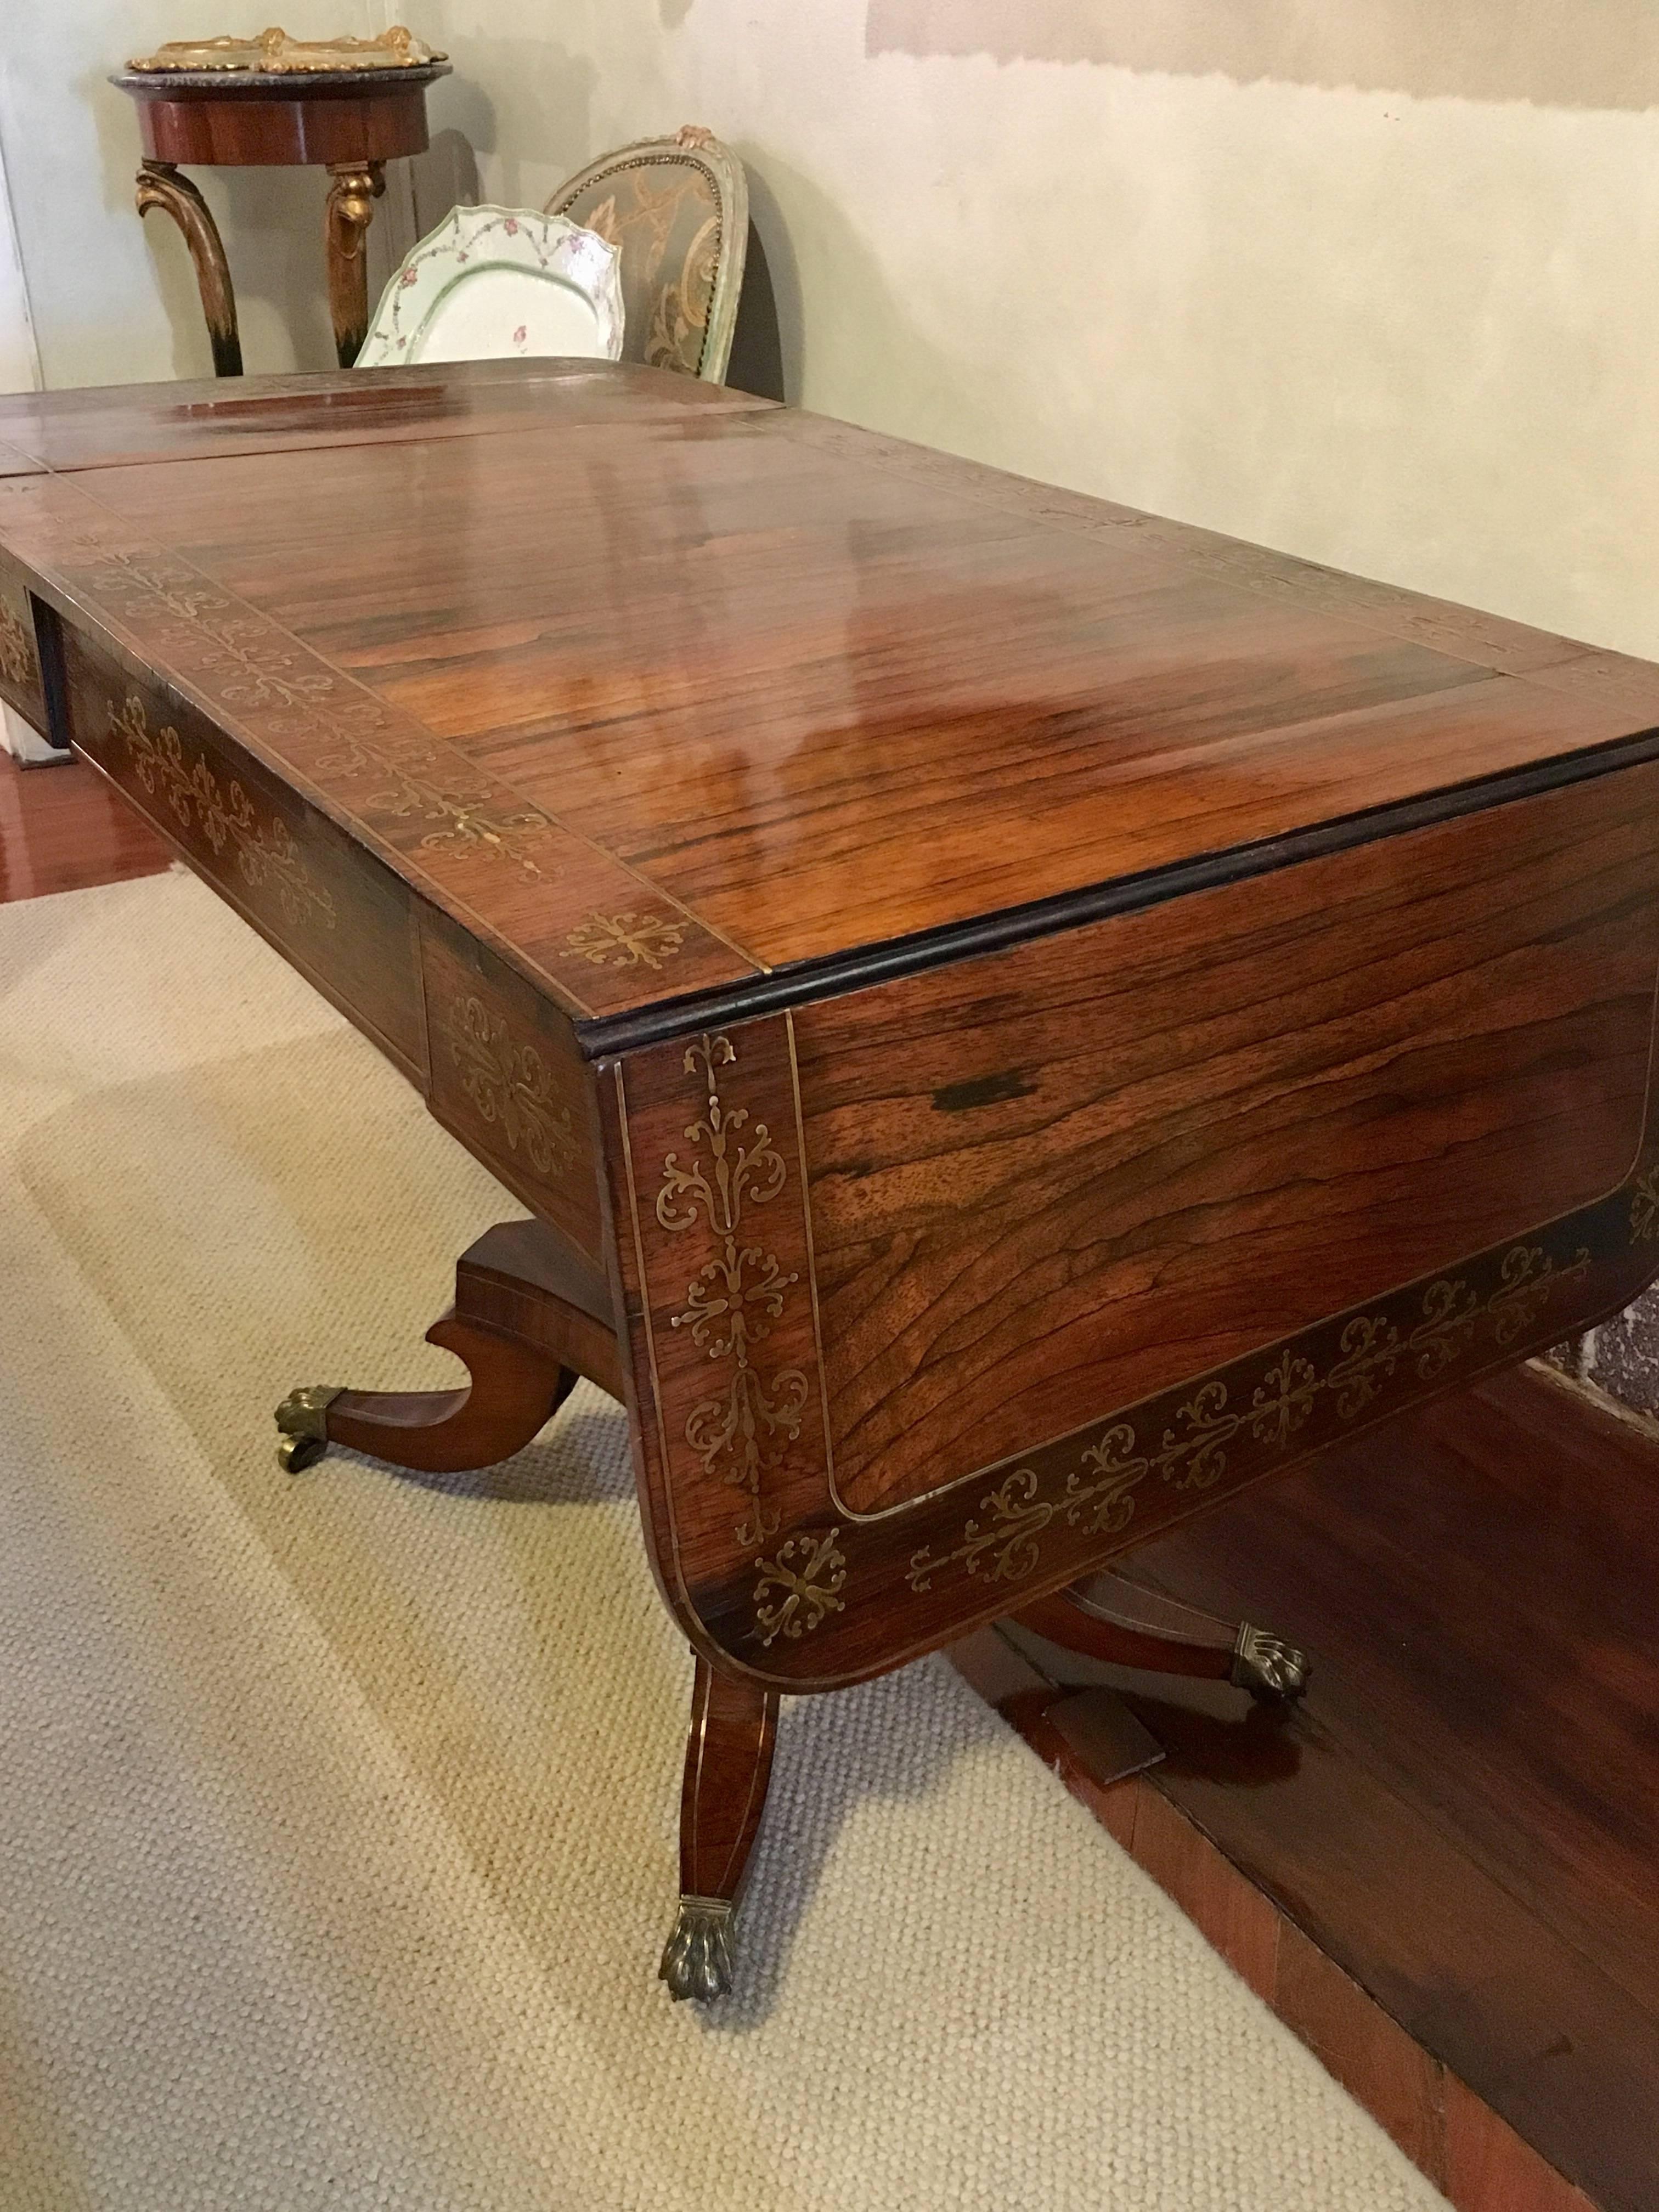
[296, 1454]
[302, 1419]
[1273, 1672]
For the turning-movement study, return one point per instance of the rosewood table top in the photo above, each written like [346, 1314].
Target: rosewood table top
[801, 689]
[1015, 1017]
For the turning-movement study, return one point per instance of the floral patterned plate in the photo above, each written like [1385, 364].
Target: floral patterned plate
[490, 282]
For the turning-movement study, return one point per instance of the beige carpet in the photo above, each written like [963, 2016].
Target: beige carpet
[336, 1839]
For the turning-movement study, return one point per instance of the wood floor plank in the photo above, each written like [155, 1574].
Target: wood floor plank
[62, 829]
[1462, 1816]
[1371, 2055]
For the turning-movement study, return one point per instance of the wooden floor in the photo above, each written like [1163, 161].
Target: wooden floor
[62, 829]
[1440, 1870]
[1462, 1819]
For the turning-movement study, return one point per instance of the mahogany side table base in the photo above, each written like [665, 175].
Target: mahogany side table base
[352, 189]
[160, 184]
[728, 1764]
[1111, 1619]
[523, 1322]
[350, 121]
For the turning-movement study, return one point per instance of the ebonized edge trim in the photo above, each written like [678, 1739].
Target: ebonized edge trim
[833, 974]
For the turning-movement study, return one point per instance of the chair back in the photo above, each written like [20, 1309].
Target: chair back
[677, 209]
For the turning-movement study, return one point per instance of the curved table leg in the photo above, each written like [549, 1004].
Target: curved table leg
[1111, 1619]
[354, 187]
[728, 1765]
[524, 1323]
[514, 1393]
[160, 184]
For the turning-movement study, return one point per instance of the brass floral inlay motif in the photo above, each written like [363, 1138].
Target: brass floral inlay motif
[807, 1575]
[627, 940]
[735, 1298]
[267, 857]
[17, 647]
[1000, 1541]
[464, 823]
[512, 1087]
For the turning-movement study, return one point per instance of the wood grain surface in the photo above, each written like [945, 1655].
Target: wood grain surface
[125, 424]
[1055, 1181]
[784, 677]
[1463, 1814]
[1079, 1013]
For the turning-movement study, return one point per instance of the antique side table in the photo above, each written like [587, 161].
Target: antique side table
[1013, 1017]
[278, 102]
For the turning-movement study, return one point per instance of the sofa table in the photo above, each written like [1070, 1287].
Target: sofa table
[1012, 1018]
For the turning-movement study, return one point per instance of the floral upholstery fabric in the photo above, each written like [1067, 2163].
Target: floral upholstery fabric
[663, 214]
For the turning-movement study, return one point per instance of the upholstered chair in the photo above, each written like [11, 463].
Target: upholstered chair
[679, 210]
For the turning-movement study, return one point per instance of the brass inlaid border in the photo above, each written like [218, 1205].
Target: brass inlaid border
[511, 1086]
[736, 1295]
[361, 762]
[17, 658]
[1099, 1497]
[807, 1575]
[267, 857]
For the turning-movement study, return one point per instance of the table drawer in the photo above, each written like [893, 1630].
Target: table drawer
[340, 917]
[19, 661]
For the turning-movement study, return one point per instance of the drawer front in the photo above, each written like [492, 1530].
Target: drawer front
[507, 1080]
[330, 908]
[19, 660]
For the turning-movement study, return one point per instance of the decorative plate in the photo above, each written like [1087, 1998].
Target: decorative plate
[273, 53]
[490, 282]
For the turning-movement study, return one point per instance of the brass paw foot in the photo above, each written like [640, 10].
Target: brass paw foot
[697, 1961]
[302, 1418]
[1271, 1670]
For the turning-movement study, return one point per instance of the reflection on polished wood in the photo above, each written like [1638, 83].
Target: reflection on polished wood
[1460, 1818]
[1040, 1018]
[62, 829]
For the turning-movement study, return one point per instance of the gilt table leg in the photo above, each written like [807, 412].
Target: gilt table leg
[728, 1764]
[160, 184]
[524, 1323]
[1111, 1619]
[354, 187]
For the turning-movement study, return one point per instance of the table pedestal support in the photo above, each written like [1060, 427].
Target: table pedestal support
[523, 1324]
[526, 1324]
[160, 184]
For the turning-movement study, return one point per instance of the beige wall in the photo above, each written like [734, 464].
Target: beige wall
[1374, 280]
[115, 300]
